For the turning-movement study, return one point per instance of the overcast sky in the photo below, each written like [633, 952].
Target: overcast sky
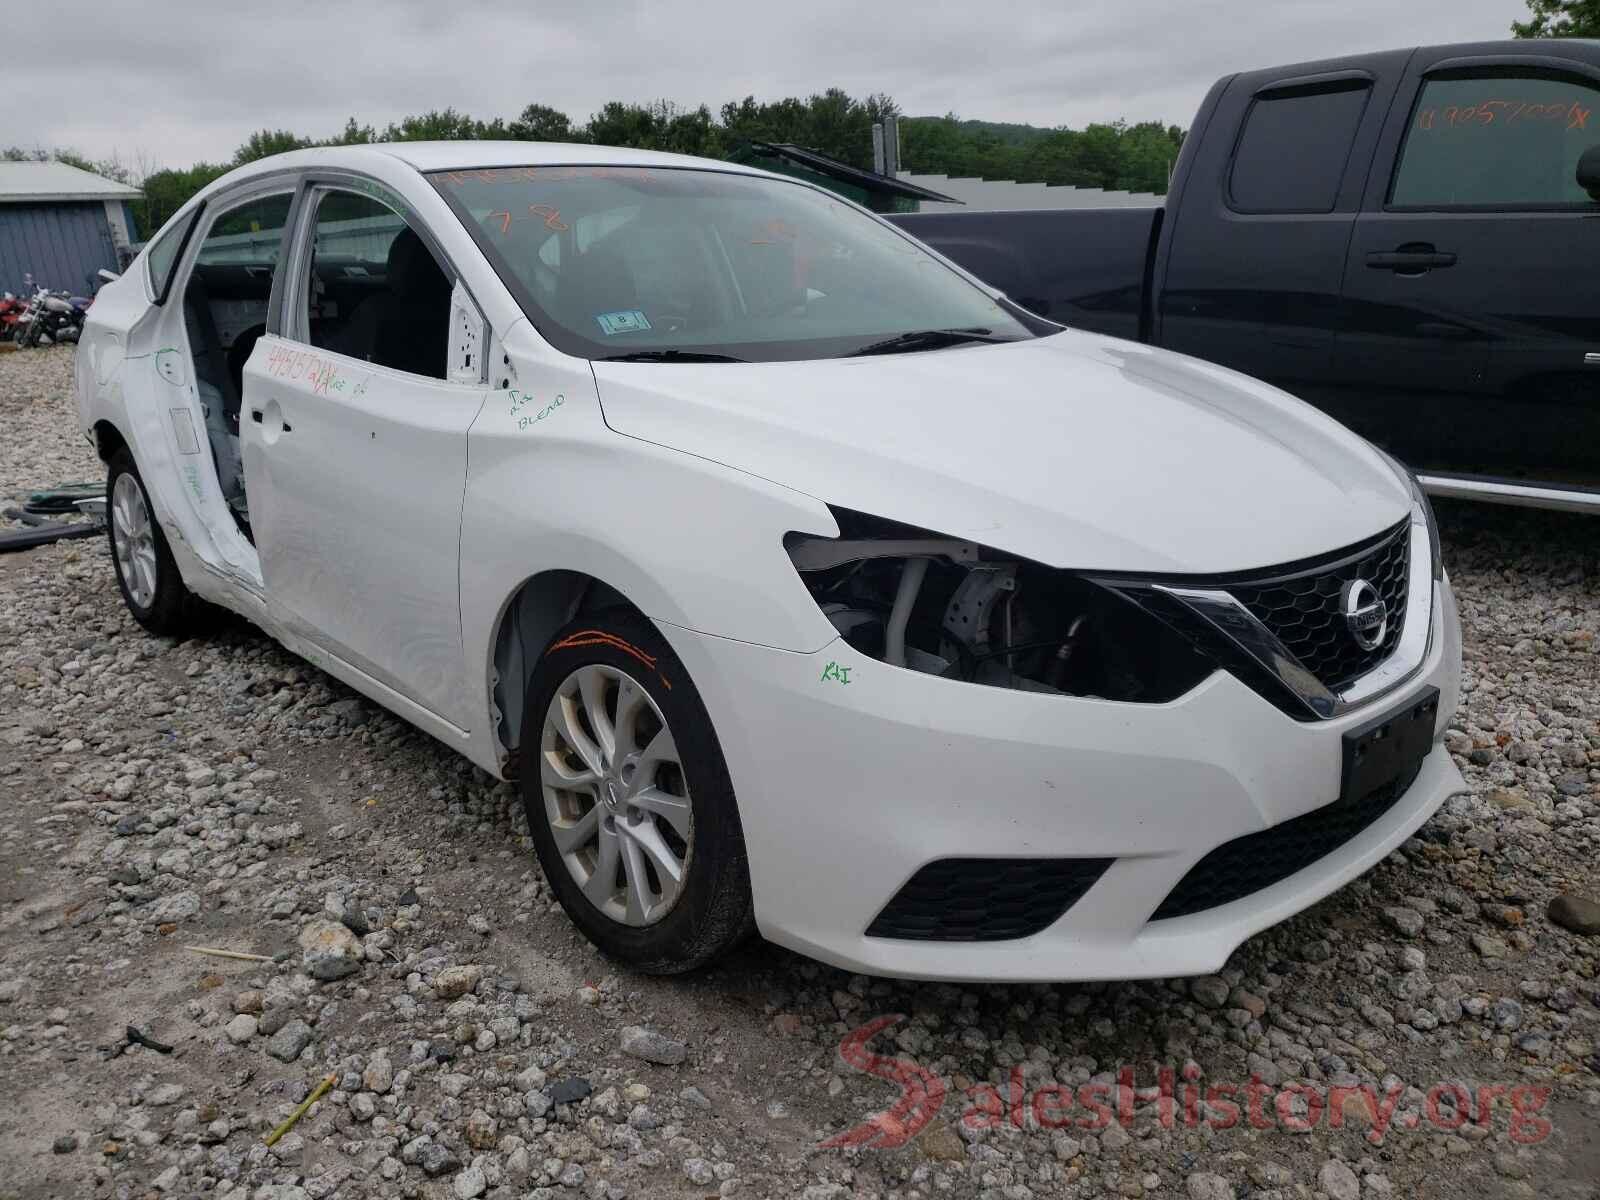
[177, 80]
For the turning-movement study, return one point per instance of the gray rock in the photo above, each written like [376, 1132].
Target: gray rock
[288, 1042]
[1506, 1014]
[652, 1046]
[538, 1104]
[1578, 914]
[469, 1185]
[379, 1075]
[532, 1079]
[1405, 921]
[437, 1159]
[241, 1029]
[179, 906]
[1339, 1181]
[569, 1090]
[329, 951]
[352, 712]
[1209, 991]
[698, 1171]
[1203, 1185]
[451, 982]
[348, 911]
[1488, 946]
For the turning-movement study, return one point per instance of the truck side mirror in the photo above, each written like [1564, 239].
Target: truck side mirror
[1589, 172]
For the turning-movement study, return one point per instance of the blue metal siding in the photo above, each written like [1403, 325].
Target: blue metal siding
[62, 244]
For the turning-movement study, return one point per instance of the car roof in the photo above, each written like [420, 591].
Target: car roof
[462, 155]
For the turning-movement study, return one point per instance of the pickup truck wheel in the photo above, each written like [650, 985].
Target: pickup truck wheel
[628, 798]
[146, 573]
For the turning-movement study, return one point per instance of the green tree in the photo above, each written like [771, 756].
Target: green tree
[166, 191]
[265, 142]
[1560, 18]
[1148, 151]
[1107, 155]
[353, 135]
[662, 125]
[541, 123]
[446, 126]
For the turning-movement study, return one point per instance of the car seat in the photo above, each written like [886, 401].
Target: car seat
[407, 325]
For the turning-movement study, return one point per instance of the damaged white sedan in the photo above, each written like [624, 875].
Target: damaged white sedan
[804, 583]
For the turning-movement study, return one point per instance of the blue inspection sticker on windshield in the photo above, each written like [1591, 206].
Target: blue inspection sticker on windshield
[631, 321]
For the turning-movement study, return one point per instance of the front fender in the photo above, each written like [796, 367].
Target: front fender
[687, 541]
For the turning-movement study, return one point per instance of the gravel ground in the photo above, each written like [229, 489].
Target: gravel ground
[219, 792]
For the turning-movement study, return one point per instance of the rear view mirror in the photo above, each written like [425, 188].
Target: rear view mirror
[1589, 172]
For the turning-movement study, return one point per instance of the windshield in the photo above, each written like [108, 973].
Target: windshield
[698, 265]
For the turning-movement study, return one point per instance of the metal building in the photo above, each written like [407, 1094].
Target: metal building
[61, 225]
[1003, 195]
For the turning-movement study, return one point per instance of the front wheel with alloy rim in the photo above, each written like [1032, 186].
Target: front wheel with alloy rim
[146, 573]
[628, 798]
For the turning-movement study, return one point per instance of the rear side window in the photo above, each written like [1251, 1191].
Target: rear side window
[1292, 153]
[248, 236]
[1502, 141]
[163, 254]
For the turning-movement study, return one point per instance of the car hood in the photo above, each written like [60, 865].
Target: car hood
[1072, 450]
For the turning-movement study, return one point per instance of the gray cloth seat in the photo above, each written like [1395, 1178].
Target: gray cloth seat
[407, 325]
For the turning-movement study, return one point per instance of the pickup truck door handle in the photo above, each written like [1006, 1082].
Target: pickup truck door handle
[1411, 259]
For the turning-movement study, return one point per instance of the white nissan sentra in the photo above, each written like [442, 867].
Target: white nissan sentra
[803, 583]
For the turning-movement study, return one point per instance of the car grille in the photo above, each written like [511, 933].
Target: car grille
[1303, 609]
[986, 899]
[1258, 860]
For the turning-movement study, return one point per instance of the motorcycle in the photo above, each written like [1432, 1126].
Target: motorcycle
[12, 308]
[54, 315]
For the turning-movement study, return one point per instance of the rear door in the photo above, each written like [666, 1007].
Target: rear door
[1472, 298]
[1259, 233]
[355, 449]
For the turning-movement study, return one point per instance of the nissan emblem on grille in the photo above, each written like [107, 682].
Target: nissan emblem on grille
[1365, 614]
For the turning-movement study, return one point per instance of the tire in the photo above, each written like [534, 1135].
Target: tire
[686, 808]
[147, 576]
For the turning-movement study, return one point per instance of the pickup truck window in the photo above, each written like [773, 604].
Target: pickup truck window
[1291, 154]
[1501, 141]
[680, 265]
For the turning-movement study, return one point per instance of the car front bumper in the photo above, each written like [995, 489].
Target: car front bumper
[852, 778]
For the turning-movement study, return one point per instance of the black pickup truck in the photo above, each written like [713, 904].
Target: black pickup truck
[1408, 240]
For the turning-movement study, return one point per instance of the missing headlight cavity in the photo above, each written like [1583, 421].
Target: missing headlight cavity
[964, 611]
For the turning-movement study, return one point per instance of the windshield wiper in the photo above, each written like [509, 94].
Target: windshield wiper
[928, 339]
[685, 356]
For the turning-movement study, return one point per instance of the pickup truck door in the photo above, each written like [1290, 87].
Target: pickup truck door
[1260, 221]
[1470, 298]
[355, 452]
